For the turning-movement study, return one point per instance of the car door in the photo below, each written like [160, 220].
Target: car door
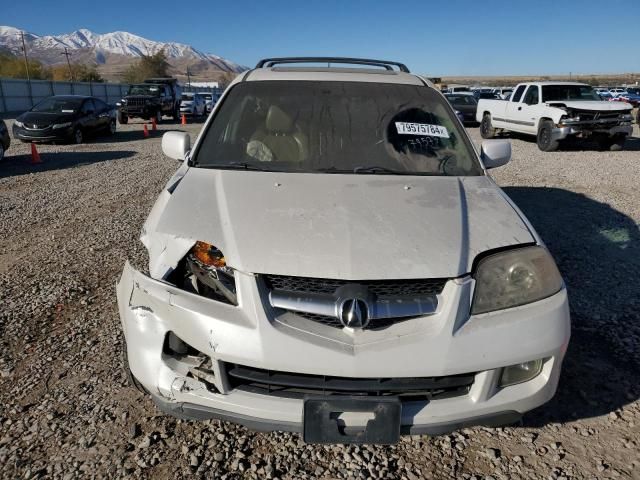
[517, 117]
[529, 114]
[88, 118]
[103, 117]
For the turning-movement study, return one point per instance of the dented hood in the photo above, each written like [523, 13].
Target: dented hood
[354, 227]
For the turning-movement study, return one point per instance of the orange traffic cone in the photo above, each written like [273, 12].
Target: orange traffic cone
[35, 156]
[154, 125]
[184, 119]
[145, 131]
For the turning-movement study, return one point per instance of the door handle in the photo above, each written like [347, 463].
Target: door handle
[519, 108]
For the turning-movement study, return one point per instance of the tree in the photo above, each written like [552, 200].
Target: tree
[12, 66]
[81, 73]
[148, 66]
[226, 78]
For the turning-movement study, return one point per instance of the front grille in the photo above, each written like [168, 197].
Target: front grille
[379, 287]
[136, 102]
[300, 385]
[588, 116]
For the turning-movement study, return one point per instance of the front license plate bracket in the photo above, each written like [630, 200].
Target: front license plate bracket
[323, 424]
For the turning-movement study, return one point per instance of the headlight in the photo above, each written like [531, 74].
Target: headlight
[124, 100]
[213, 278]
[63, 125]
[514, 277]
[18, 124]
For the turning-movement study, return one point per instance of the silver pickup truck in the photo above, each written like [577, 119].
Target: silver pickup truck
[554, 111]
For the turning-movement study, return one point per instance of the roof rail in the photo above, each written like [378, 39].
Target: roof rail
[270, 62]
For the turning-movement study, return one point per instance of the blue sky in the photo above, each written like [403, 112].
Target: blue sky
[457, 37]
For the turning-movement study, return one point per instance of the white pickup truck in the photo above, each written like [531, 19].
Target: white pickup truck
[554, 111]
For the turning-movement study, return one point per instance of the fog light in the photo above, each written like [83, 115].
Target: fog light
[522, 372]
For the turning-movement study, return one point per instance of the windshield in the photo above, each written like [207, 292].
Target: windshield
[186, 98]
[337, 127]
[144, 89]
[58, 105]
[552, 93]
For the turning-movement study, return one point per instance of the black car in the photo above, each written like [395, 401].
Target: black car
[465, 104]
[65, 118]
[5, 140]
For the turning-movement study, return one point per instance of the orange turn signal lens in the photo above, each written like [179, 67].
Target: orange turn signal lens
[208, 255]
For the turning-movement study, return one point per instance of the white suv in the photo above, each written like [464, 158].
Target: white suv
[332, 258]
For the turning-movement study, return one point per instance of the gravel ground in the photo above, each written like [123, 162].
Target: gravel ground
[67, 226]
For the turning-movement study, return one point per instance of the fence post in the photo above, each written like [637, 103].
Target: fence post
[4, 102]
[51, 87]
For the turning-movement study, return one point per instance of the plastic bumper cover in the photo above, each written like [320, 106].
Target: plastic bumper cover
[439, 345]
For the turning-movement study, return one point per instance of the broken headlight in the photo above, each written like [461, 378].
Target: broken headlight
[514, 277]
[207, 272]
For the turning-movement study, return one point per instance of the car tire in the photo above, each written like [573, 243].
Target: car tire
[77, 136]
[486, 129]
[123, 119]
[1, 152]
[544, 139]
[159, 116]
[111, 129]
[176, 113]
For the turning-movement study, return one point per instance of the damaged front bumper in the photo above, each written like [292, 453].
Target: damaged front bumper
[563, 131]
[446, 343]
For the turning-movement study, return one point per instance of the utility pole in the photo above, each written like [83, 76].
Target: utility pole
[67, 54]
[188, 77]
[26, 65]
[24, 52]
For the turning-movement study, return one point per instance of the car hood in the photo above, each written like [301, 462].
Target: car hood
[353, 227]
[591, 105]
[43, 119]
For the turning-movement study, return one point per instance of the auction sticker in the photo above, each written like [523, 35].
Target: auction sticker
[405, 128]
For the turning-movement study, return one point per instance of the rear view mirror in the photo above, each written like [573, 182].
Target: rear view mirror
[176, 145]
[495, 153]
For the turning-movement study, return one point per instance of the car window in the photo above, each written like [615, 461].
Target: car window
[532, 95]
[58, 105]
[561, 92]
[100, 105]
[519, 91]
[88, 106]
[336, 127]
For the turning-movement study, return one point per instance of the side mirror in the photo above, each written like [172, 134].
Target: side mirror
[495, 153]
[176, 145]
[460, 116]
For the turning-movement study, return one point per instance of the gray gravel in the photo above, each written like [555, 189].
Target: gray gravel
[67, 226]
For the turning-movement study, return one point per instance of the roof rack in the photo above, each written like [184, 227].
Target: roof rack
[270, 62]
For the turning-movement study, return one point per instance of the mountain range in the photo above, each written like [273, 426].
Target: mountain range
[113, 52]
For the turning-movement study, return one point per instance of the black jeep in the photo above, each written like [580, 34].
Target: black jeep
[152, 99]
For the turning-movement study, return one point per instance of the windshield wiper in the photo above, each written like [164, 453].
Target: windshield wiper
[382, 170]
[233, 166]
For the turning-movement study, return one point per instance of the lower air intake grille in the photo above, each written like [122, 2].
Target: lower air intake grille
[299, 385]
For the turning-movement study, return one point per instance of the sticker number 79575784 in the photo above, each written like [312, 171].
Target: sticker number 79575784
[406, 128]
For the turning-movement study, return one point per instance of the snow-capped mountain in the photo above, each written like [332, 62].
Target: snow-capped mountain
[116, 43]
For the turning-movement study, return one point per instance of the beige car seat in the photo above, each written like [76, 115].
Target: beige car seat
[281, 137]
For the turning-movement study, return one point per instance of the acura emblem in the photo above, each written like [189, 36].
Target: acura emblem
[354, 313]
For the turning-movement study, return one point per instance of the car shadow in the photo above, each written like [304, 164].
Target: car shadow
[15, 165]
[597, 249]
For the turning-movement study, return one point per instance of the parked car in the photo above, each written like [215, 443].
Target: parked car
[486, 95]
[604, 94]
[465, 104]
[65, 118]
[208, 101]
[629, 97]
[154, 98]
[553, 111]
[503, 92]
[5, 140]
[332, 258]
[192, 104]
[617, 91]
